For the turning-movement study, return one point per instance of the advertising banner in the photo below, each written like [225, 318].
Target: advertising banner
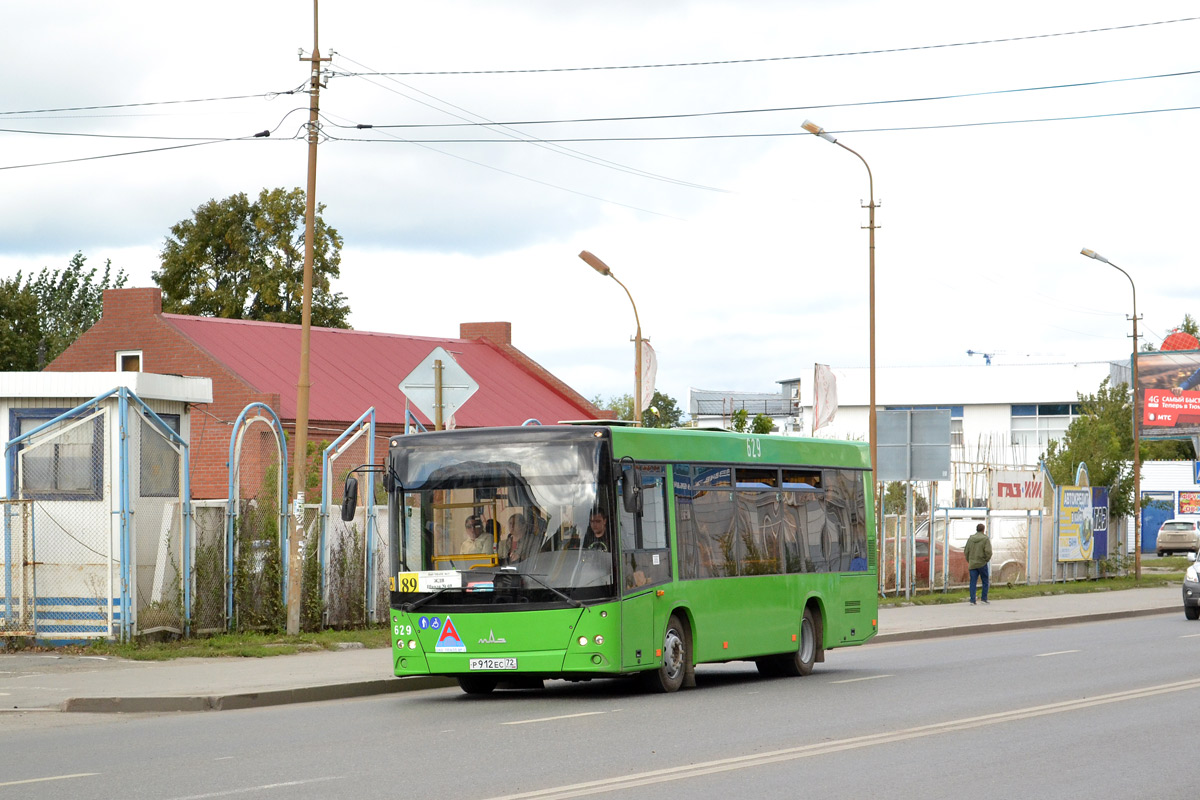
[1169, 385]
[1189, 502]
[1099, 523]
[1015, 490]
[1074, 523]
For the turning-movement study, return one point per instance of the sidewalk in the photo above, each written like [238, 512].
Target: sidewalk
[49, 682]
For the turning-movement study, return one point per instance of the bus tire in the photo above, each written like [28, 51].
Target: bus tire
[477, 684]
[801, 662]
[676, 651]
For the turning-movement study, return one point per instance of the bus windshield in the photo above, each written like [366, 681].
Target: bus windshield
[486, 521]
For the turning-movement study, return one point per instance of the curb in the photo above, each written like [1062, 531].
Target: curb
[274, 697]
[994, 627]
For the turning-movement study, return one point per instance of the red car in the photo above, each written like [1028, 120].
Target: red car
[959, 572]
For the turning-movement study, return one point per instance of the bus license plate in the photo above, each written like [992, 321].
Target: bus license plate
[492, 663]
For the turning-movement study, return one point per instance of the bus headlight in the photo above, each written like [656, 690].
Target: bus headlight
[583, 641]
[599, 639]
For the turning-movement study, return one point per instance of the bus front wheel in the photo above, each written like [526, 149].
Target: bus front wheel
[675, 654]
[477, 684]
[801, 662]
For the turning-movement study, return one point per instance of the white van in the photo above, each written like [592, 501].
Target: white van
[1015, 539]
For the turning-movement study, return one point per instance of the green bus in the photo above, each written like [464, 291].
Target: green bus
[587, 551]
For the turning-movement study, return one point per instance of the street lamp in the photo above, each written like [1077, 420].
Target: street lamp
[817, 130]
[1137, 460]
[603, 269]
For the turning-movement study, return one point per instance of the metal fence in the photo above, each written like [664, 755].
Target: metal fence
[96, 524]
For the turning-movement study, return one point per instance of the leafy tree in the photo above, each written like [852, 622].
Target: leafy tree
[1102, 437]
[895, 497]
[20, 326]
[41, 317]
[621, 404]
[762, 424]
[70, 302]
[741, 420]
[663, 412]
[245, 260]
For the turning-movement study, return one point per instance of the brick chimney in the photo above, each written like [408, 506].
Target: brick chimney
[498, 332]
[132, 302]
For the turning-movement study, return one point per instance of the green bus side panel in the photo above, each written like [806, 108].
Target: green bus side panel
[690, 446]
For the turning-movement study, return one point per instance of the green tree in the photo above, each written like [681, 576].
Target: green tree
[762, 424]
[1102, 437]
[663, 412]
[20, 327]
[895, 500]
[622, 405]
[245, 260]
[70, 301]
[741, 420]
[42, 316]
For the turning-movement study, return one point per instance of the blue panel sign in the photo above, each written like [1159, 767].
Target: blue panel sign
[1099, 523]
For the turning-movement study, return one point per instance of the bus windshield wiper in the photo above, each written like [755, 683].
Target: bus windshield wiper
[564, 596]
[410, 607]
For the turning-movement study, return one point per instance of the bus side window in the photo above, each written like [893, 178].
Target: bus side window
[646, 557]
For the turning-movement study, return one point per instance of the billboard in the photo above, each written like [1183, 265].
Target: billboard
[1015, 490]
[1075, 523]
[1169, 385]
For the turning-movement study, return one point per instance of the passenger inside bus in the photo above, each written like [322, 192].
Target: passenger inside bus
[476, 542]
[520, 543]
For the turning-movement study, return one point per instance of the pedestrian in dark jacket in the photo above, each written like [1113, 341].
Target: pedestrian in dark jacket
[978, 552]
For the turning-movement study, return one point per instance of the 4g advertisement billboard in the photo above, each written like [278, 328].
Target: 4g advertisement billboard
[1169, 384]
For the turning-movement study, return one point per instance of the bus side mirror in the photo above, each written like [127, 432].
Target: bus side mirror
[350, 498]
[631, 489]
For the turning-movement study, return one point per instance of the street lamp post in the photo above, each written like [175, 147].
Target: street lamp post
[1137, 460]
[817, 130]
[603, 269]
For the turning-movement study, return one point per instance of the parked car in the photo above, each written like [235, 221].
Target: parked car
[1177, 536]
[1191, 591]
[959, 572]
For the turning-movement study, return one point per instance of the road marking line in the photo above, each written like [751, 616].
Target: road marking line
[552, 719]
[853, 743]
[247, 789]
[1055, 653]
[1189, 636]
[51, 778]
[868, 678]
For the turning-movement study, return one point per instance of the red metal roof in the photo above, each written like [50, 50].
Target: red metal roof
[350, 371]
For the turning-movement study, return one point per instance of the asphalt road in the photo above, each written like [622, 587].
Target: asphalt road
[1095, 710]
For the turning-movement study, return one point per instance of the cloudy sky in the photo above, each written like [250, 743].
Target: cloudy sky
[1002, 140]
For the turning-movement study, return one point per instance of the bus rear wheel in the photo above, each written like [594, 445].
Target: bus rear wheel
[477, 684]
[675, 654]
[801, 662]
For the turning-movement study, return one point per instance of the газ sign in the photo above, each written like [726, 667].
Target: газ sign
[1015, 490]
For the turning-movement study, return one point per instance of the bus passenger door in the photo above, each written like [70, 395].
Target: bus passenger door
[637, 630]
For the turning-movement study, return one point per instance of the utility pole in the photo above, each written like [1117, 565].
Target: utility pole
[300, 456]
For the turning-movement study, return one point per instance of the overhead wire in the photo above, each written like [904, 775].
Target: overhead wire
[707, 136]
[267, 95]
[880, 51]
[782, 109]
[521, 136]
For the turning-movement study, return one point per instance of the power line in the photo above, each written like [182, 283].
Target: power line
[781, 58]
[699, 137]
[267, 95]
[127, 153]
[521, 136]
[780, 109]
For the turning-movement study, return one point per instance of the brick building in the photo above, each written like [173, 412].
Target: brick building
[349, 371]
